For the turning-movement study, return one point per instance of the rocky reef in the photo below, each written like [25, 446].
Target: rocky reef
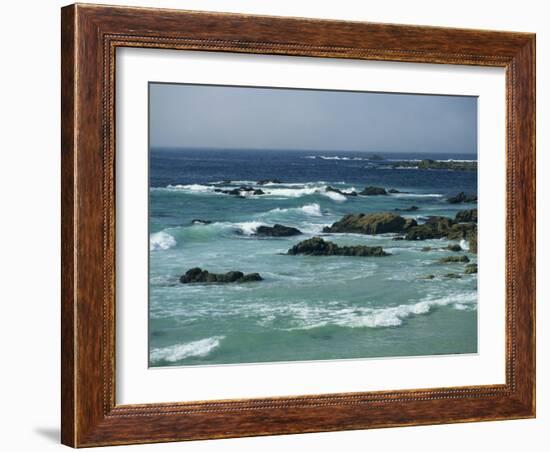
[241, 192]
[373, 191]
[316, 246]
[341, 192]
[437, 165]
[462, 197]
[372, 223]
[277, 230]
[198, 275]
[466, 216]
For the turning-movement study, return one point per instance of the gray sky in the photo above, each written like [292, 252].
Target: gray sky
[200, 116]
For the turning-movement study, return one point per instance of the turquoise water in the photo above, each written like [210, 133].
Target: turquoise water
[307, 307]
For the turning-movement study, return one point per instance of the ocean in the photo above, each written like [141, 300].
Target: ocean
[306, 307]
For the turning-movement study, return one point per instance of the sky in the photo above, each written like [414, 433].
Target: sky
[228, 117]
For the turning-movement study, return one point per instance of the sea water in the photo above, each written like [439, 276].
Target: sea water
[307, 307]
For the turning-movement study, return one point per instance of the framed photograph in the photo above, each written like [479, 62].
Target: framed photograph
[281, 225]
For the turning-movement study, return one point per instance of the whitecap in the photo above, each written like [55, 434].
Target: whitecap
[161, 241]
[335, 196]
[248, 227]
[178, 352]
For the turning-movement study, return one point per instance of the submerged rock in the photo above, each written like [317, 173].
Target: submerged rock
[393, 190]
[428, 277]
[198, 275]
[316, 246]
[407, 209]
[453, 259]
[372, 223]
[277, 230]
[462, 197]
[454, 247]
[199, 221]
[470, 269]
[453, 276]
[466, 216]
[373, 191]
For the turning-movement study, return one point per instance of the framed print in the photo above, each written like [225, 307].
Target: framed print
[281, 225]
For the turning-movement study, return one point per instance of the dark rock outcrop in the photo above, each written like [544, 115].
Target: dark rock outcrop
[453, 260]
[454, 247]
[470, 269]
[462, 197]
[198, 275]
[453, 276]
[316, 246]
[344, 193]
[393, 190]
[239, 191]
[466, 216]
[372, 223]
[373, 191]
[277, 230]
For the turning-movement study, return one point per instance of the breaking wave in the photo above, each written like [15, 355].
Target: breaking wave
[161, 241]
[177, 352]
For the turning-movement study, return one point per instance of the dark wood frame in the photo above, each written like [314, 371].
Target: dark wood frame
[90, 35]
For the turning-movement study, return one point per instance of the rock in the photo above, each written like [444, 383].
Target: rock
[372, 223]
[454, 248]
[340, 192]
[453, 276]
[373, 191]
[466, 216]
[269, 181]
[433, 228]
[472, 243]
[393, 190]
[461, 231]
[277, 230]
[316, 246]
[199, 221]
[428, 277]
[408, 209]
[250, 277]
[470, 269]
[239, 191]
[198, 275]
[453, 259]
[426, 248]
[462, 197]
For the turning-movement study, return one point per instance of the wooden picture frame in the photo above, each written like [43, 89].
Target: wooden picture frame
[90, 36]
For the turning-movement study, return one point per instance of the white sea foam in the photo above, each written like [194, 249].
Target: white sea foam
[161, 241]
[334, 196]
[464, 245]
[178, 352]
[307, 317]
[417, 195]
[194, 188]
[248, 227]
[312, 209]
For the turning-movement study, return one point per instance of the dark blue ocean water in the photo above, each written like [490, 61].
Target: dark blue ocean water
[307, 307]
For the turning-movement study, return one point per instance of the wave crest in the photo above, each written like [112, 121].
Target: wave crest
[160, 241]
[178, 352]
